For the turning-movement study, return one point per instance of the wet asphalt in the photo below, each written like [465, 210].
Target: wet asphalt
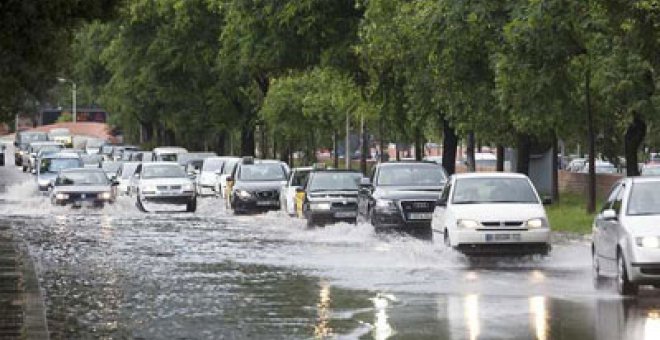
[118, 273]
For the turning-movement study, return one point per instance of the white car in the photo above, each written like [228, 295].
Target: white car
[296, 180]
[626, 238]
[208, 180]
[227, 169]
[124, 177]
[167, 153]
[492, 214]
[164, 183]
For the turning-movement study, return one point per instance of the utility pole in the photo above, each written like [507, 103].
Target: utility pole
[348, 143]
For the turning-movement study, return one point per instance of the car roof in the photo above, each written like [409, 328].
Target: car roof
[83, 170]
[170, 149]
[337, 170]
[63, 155]
[395, 163]
[643, 179]
[489, 175]
[303, 168]
[150, 164]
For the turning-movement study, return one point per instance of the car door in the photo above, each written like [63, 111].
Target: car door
[598, 234]
[612, 227]
[605, 233]
[439, 214]
[285, 196]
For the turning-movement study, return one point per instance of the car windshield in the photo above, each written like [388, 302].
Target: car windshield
[493, 190]
[330, 181]
[262, 172]
[128, 170]
[411, 175]
[91, 159]
[168, 157]
[82, 178]
[228, 167]
[49, 148]
[644, 199]
[34, 137]
[212, 165]
[57, 164]
[163, 171]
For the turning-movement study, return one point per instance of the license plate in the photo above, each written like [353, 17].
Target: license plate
[502, 237]
[267, 203]
[420, 216]
[345, 214]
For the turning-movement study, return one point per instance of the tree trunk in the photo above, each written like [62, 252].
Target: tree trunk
[522, 161]
[381, 132]
[591, 135]
[500, 158]
[398, 153]
[449, 144]
[364, 153]
[247, 139]
[471, 163]
[633, 140]
[419, 147]
[221, 146]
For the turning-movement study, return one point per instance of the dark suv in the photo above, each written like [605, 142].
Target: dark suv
[255, 185]
[401, 194]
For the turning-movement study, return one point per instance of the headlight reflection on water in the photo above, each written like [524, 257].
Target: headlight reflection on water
[322, 328]
[539, 314]
[471, 310]
[652, 325]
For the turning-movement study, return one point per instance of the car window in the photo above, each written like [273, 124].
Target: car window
[445, 192]
[411, 175]
[616, 205]
[299, 178]
[228, 167]
[644, 199]
[168, 157]
[328, 181]
[262, 172]
[57, 164]
[82, 178]
[163, 171]
[611, 197]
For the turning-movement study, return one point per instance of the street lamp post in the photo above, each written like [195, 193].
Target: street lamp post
[74, 97]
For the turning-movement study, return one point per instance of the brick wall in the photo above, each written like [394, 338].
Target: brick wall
[577, 182]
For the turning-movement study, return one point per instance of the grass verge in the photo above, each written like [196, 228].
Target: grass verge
[570, 214]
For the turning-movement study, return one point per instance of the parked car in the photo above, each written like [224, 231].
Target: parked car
[164, 183]
[61, 135]
[401, 194]
[255, 185]
[602, 167]
[492, 214]
[167, 154]
[79, 187]
[30, 155]
[51, 165]
[93, 146]
[141, 156]
[193, 168]
[626, 238]
[122, 152]
[576, 165]
[22, 140]
[330, 196]
[297, 180]
[186, 157]
[125, 177]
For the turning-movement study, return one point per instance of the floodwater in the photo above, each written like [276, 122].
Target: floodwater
[118, 273]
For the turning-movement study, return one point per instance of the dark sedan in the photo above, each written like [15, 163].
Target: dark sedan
[79, 187]
[256, 185]
[402, 194]
[331, 196]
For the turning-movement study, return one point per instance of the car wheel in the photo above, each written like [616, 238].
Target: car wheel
[24, 168]
[623, 284]
[192, 205]
[310, 222]
[598, 279]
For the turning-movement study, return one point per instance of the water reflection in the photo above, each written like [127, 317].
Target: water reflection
[322, 328]
[652, 325]
[382, 329]
[539, 313]
[471, 309]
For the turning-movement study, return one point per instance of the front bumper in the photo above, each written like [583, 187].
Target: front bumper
[332, 216]
[253, 204]
[644, 265]
[87, 199]
[502, 242]
[394, 219]
[178, 198]
[207, 189]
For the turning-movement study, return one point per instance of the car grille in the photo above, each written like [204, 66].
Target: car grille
[175, 187]
[650, 270]
[78, 196]
[417, 206]
[344, 205]
[266, 195]
[165, 187]
[502, 224]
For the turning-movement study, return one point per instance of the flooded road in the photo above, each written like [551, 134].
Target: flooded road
[119, 273]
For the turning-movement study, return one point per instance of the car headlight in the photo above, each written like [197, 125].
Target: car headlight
[320, 206]
[468, 224]
[243, 193]
[385, 204]
[648, 242]
[148, 188]
[105, 196]
[536, 223]
[62, 196]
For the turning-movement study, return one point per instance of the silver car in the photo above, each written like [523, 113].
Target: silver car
[164, 183]
[626, 237]
[78, 187]
[51, 165]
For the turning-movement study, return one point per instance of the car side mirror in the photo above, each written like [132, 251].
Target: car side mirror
[546, 200]
[114, 183]
[609, 215]
[441, 202]
[300, 190]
